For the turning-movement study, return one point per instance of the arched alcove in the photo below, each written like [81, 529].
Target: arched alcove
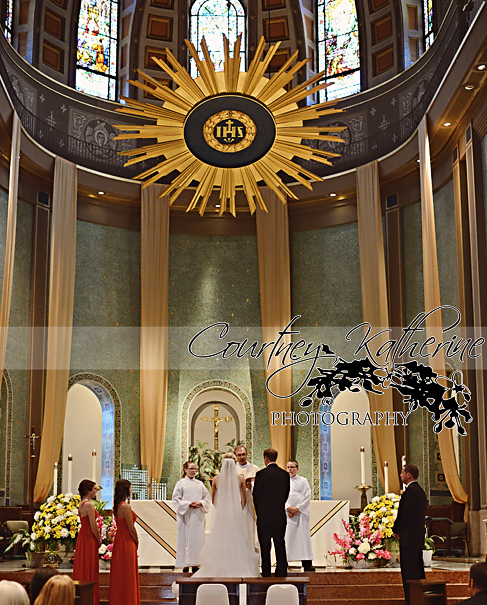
[231, 400]
[346, 441]
[108, 462]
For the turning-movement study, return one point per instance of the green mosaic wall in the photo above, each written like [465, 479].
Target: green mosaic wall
[211, 279]
[326, 292]
[107, 318]
[18, 347]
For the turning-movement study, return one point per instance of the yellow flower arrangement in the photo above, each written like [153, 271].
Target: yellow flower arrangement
[57, 521]
[382, 512]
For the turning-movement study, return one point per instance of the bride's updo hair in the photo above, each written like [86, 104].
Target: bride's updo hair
[230, 455]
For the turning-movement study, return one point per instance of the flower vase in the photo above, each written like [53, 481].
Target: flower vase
[65, 553]
[34, 559]
[362, 564]
[392, 545]
[104, 565]
[427, 555]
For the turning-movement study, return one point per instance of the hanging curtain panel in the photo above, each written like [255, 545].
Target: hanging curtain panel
[60, 321]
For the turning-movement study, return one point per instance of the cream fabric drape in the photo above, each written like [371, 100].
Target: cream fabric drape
[432, 300]
[8, 272]
[375, 306]
[60, 323]
[154, 319]
[275, 303]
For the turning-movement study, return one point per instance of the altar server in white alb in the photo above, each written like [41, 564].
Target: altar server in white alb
[298, 540]
[192, 501]
[248, 470]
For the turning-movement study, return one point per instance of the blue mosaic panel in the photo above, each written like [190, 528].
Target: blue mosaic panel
[325, 458]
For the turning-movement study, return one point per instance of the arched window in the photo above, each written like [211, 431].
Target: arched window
[428, 23]
[338, 47]
[212, 19]
[96, 64]
[9, 20]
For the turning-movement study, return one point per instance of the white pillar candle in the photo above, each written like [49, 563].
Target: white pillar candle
[403, 461]
[93, 466]
[70, 474]
[54, 489]
[362, 465]
[386, 477]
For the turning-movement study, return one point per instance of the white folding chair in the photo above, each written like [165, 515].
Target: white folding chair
[212, 594]
[282, 594]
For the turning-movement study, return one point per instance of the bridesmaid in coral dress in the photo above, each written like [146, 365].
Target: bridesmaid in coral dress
[86, 562]
[124, 571]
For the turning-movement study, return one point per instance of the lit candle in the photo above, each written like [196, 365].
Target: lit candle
[93, 466]
[70, 474]
[54, 489]
[362, 465]
[386, 477]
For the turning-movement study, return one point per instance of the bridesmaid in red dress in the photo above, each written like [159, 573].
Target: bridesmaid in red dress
[124, 571]
[86, 562]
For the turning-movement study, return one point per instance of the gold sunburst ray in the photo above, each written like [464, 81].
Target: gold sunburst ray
[229, 130]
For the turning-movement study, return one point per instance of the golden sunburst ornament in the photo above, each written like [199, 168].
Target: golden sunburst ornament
[229, 130]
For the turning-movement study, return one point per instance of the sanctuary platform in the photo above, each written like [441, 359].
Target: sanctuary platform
[326, 587]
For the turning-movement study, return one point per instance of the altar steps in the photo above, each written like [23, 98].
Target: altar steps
[370, 587]
[376, 587]
[341, 587]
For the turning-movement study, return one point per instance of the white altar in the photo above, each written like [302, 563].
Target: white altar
[156, 527]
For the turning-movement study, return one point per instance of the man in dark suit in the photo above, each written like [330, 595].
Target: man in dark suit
[271, 490]
[477, 585]
[409, 527]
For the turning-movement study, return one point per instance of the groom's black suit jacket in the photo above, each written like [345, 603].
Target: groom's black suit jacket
[271, 490]
[410, 517]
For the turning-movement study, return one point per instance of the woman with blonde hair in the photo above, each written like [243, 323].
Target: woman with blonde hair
[13, 593]
[59, 590]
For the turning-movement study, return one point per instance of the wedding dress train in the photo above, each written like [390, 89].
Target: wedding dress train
[226, 553]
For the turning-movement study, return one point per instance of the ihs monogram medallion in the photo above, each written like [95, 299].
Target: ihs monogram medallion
[229, 130]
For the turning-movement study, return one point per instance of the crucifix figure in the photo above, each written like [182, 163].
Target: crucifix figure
[32, 441]
[216, 419]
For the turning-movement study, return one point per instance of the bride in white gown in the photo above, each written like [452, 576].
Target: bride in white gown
[226, 553]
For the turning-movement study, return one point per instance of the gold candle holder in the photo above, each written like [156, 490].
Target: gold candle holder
[363, 488]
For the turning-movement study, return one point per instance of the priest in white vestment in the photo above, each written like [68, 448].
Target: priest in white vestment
[192, 501]
[298, 539]
[248, 470]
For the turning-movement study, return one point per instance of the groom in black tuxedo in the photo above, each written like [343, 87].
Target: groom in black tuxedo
[271, 490]
[409, 527]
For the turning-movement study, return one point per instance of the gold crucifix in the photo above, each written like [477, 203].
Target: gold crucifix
[216, 422]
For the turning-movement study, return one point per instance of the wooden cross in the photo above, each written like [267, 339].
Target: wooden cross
[216, 419]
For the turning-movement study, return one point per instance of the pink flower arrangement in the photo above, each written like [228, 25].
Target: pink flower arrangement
[360, 542]
[108, 529]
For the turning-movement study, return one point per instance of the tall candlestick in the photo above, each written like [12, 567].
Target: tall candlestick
[386, 477]
[93, 466]
[362, 465]
[54, 489]
[70, 474]
[403, 464]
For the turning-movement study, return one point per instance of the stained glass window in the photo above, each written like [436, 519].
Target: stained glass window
[338, 47]
[96, 64]
[8, 20]
[428, 23]
[212, 19]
